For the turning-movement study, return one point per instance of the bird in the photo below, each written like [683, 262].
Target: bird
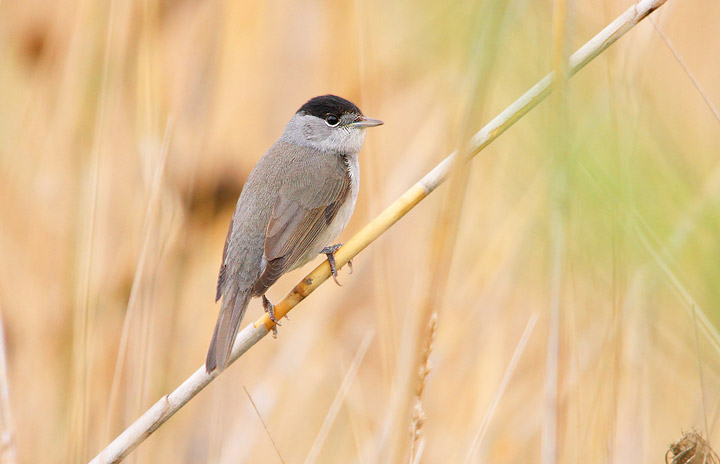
[295, 202]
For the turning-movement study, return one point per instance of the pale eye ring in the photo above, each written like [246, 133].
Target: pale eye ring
[332, 120]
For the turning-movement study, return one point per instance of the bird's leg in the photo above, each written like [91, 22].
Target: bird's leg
[270, 309]
[329, 251]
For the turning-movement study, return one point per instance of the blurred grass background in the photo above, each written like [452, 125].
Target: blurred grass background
[128, 128]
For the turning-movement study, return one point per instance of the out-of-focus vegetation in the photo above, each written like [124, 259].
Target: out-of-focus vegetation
[127, 129]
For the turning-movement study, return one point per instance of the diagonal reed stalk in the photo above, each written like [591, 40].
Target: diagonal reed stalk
[169, 404]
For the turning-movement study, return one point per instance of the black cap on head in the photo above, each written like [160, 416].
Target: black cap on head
[328, 104]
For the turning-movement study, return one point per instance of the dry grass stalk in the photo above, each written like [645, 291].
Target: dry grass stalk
[8, 451]
[267, 431]
[418, 418]
[500, 392]
[169, 404]
[691, 448]
[339, 399]
[686, 68]
[133, 306]
[556, 363]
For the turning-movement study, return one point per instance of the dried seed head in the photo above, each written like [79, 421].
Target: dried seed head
[417, 421]
[418, 418]
[691, 448]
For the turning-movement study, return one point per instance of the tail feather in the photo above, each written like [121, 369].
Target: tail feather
[232, 311]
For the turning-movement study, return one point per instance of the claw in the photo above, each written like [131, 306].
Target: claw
[270, 309]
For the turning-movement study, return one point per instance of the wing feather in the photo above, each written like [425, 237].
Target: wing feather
[296, 223]
[222, 276]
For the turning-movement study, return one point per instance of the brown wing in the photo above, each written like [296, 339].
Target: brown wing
[297, 221]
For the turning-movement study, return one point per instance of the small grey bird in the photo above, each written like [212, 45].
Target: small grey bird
[296, 201]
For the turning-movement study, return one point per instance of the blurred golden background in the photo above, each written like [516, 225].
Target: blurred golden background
[128, 128]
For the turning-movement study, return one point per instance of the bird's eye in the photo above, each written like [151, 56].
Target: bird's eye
[332, 120]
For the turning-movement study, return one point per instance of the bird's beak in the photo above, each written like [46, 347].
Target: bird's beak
[364, 122]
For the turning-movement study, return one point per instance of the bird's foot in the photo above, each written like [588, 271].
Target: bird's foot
[270, 309]
[329, 251]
